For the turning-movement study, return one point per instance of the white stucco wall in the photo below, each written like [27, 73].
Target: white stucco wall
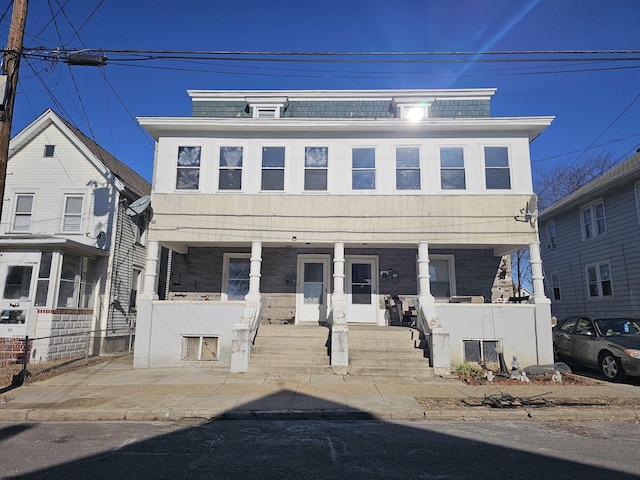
[172, 320]
[525, 331]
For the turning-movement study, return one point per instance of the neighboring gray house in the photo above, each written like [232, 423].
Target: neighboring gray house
[71, 251]
[590, 244]
[319, 207]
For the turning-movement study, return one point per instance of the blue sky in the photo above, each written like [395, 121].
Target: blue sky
[595, 107]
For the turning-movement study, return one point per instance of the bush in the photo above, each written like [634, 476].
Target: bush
[469, 370]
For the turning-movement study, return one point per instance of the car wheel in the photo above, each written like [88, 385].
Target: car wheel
[610, 366]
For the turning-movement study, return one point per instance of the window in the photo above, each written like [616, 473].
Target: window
[18, 282]
[480, 351]
[49, 150]
[407, 168]
[594, 223]
[136, 275]
[555, 286]
[23, 212]
[637, 189]
[551, 235]
[414, 112]
[496, 164]
[196, 348]
[188, 174]
[236, 276]
[262, 112]
[442, 276]
[599, 280]
[72, 220]
[316, 163]
[230, 168]
[452, 176]
[77, 282]
[363, 169]
[272, 168]
[42, 289]
[585, 327]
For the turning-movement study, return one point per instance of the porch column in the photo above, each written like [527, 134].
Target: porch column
[542, 321]
[254, 271]
[151, 270]
[144, 306]
[339, 328]
[243, 333]
[439, 348]
[537, 277]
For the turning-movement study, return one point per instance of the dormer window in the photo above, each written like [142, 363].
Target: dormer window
[266, 112]
[266, 106]
[414, 113]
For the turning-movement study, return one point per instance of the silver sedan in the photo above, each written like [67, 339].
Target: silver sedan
[611, 344]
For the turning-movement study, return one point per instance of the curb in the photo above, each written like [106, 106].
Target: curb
[485, 414]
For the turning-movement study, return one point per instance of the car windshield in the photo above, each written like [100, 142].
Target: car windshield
[618, 326]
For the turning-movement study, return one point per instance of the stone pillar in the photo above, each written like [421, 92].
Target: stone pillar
[144, 307]
[339, 328]
[439, 348]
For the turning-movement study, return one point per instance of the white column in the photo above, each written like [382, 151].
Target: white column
[338, 268]
[424, 284]
[151, 270]
[339, 328]
[254, 272]
[537, 277]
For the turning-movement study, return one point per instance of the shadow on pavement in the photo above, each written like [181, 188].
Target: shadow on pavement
[310, 449]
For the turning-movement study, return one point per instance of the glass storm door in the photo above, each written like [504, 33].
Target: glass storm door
[312, 288]
[18, 276]
[362, 289]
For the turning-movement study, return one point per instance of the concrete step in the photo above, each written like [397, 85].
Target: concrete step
[291, 369]
[413, 372]
[311, 331]
[287, 360]
[267, 348]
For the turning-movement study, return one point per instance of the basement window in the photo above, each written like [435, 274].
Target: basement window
[480, 351]
[199, 348]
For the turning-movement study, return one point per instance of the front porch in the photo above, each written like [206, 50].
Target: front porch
[218, 297]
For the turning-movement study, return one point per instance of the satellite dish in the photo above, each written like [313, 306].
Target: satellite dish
[530, 211]
[97, 231]
[139, 206]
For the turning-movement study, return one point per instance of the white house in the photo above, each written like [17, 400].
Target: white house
[71, 250]
[314, 207]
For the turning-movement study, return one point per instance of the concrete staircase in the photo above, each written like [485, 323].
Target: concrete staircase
[387, 352]
[373, 350]
[291, 349]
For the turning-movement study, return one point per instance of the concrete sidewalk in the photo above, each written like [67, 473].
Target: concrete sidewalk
[113, 390]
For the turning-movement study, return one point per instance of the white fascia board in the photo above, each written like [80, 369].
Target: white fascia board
[337, 95]
[166, 126]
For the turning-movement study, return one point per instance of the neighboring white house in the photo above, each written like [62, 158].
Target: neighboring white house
[71, 251]
[318, 206]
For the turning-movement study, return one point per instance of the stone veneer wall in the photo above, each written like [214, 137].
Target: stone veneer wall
[61, 333]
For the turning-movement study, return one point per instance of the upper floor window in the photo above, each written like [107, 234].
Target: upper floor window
[555, 286]
[23, 213]
[188, 173]
[363, 169]
[414, 112]
[49, 150]
[272, 168]
[407, 168]
[452, 175]
[637, 189]
[266, 112]
[594, 222]
[230, 168]
[316, 165]
[497, 172]
[551, 235]
[72, 218]
[599, 280]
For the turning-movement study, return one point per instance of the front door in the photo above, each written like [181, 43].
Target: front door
[18, 277]
[362, 289]
[312, 290]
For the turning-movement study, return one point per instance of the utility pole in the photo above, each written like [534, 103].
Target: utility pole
[11, 64]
